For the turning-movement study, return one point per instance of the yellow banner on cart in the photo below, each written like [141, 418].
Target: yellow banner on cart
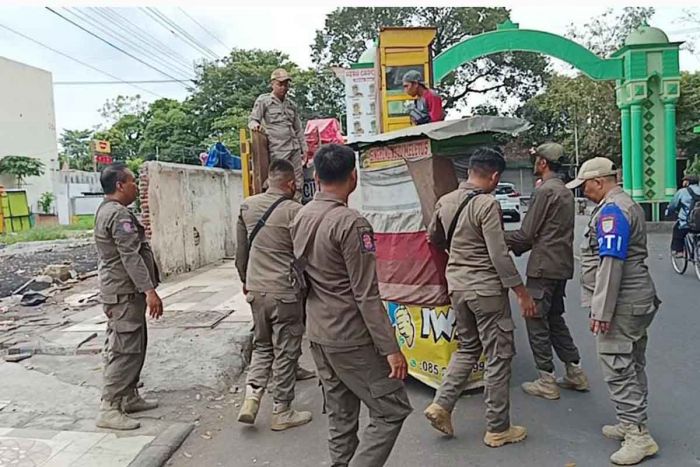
[427, 338]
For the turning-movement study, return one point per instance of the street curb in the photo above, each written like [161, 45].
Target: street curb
[158, 451]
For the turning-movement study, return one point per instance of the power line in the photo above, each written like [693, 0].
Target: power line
[168, 28]
[126, 41]
[109, 43]
[152, 81]
[189, 36]
[87, 65]
[146, 46]
[131, 28]
[172, 28]
[203, 28]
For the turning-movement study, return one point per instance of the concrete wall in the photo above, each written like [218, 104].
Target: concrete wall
[190, 212]
[69, 188]
[28, 124]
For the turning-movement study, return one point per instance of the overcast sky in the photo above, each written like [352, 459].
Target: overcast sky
[284, 28]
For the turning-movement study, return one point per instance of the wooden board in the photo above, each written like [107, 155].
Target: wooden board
[260, 161]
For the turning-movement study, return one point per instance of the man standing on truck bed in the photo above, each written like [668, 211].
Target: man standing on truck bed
[278, 116]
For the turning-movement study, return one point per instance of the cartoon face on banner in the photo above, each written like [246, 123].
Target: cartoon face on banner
[427, 338]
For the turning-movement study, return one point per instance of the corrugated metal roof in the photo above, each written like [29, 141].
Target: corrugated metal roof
[450, 129]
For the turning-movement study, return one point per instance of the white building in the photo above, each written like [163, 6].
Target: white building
[28, 124]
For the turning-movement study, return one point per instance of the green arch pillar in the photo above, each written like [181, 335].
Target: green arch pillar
[637, 158]
[625, 128]
[650, 88]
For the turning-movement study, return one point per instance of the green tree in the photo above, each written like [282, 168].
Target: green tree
[605, 33]
[688, 114]
[124, 135]
[46, 202]
[170, 132]
[114, 109]
[75, 149]
[21, 167]
[319, 94]
[576, 108]
[507, 75]
[694, 167]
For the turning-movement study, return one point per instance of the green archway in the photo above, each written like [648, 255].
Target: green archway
[647, 75]
[509, 38]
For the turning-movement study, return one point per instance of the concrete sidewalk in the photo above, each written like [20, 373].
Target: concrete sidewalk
[48, 403]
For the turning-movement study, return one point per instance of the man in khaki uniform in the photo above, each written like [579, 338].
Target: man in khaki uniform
[277, 115]
[352, 340]
[479, 273]
[278, 324]
[548, 230]
[128, 278]
[617, 287]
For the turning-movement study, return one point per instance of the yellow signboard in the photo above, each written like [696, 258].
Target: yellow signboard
[427, 338]
[102, 147]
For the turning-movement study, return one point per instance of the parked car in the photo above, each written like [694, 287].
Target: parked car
[509, 200]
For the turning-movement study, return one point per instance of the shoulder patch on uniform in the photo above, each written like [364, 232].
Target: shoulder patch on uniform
[126, 226]
[613, 232]
[366, 237]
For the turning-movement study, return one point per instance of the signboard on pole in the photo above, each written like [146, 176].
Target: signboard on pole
[103, 159]
[101, 152]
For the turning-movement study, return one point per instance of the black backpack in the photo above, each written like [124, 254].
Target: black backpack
[694, 211]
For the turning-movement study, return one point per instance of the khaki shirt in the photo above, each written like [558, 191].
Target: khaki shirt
[126, 263]
[280, 120]
[266, 267]
[479, 259]
[547, 230]
[343, 307]
[610, 285]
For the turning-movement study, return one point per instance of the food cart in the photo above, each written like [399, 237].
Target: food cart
[402, 175]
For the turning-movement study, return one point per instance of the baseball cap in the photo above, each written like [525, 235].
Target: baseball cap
[413, 76]
[593, 168]
[553, 152]
[280, 74]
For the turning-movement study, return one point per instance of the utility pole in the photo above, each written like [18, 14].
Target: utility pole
[576, 137]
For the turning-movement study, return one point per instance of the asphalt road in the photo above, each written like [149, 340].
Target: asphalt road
[561, 433]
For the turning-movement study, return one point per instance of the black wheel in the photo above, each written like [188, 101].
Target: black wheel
[680, 263]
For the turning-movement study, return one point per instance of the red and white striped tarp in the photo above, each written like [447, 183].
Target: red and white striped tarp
[409, 269]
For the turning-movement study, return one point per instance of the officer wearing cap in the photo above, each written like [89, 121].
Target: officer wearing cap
[128, 279]
[428, 105]
[278, 117]
[548, 232]
[617, 287]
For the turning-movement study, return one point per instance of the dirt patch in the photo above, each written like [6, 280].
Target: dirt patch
[18, 267]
